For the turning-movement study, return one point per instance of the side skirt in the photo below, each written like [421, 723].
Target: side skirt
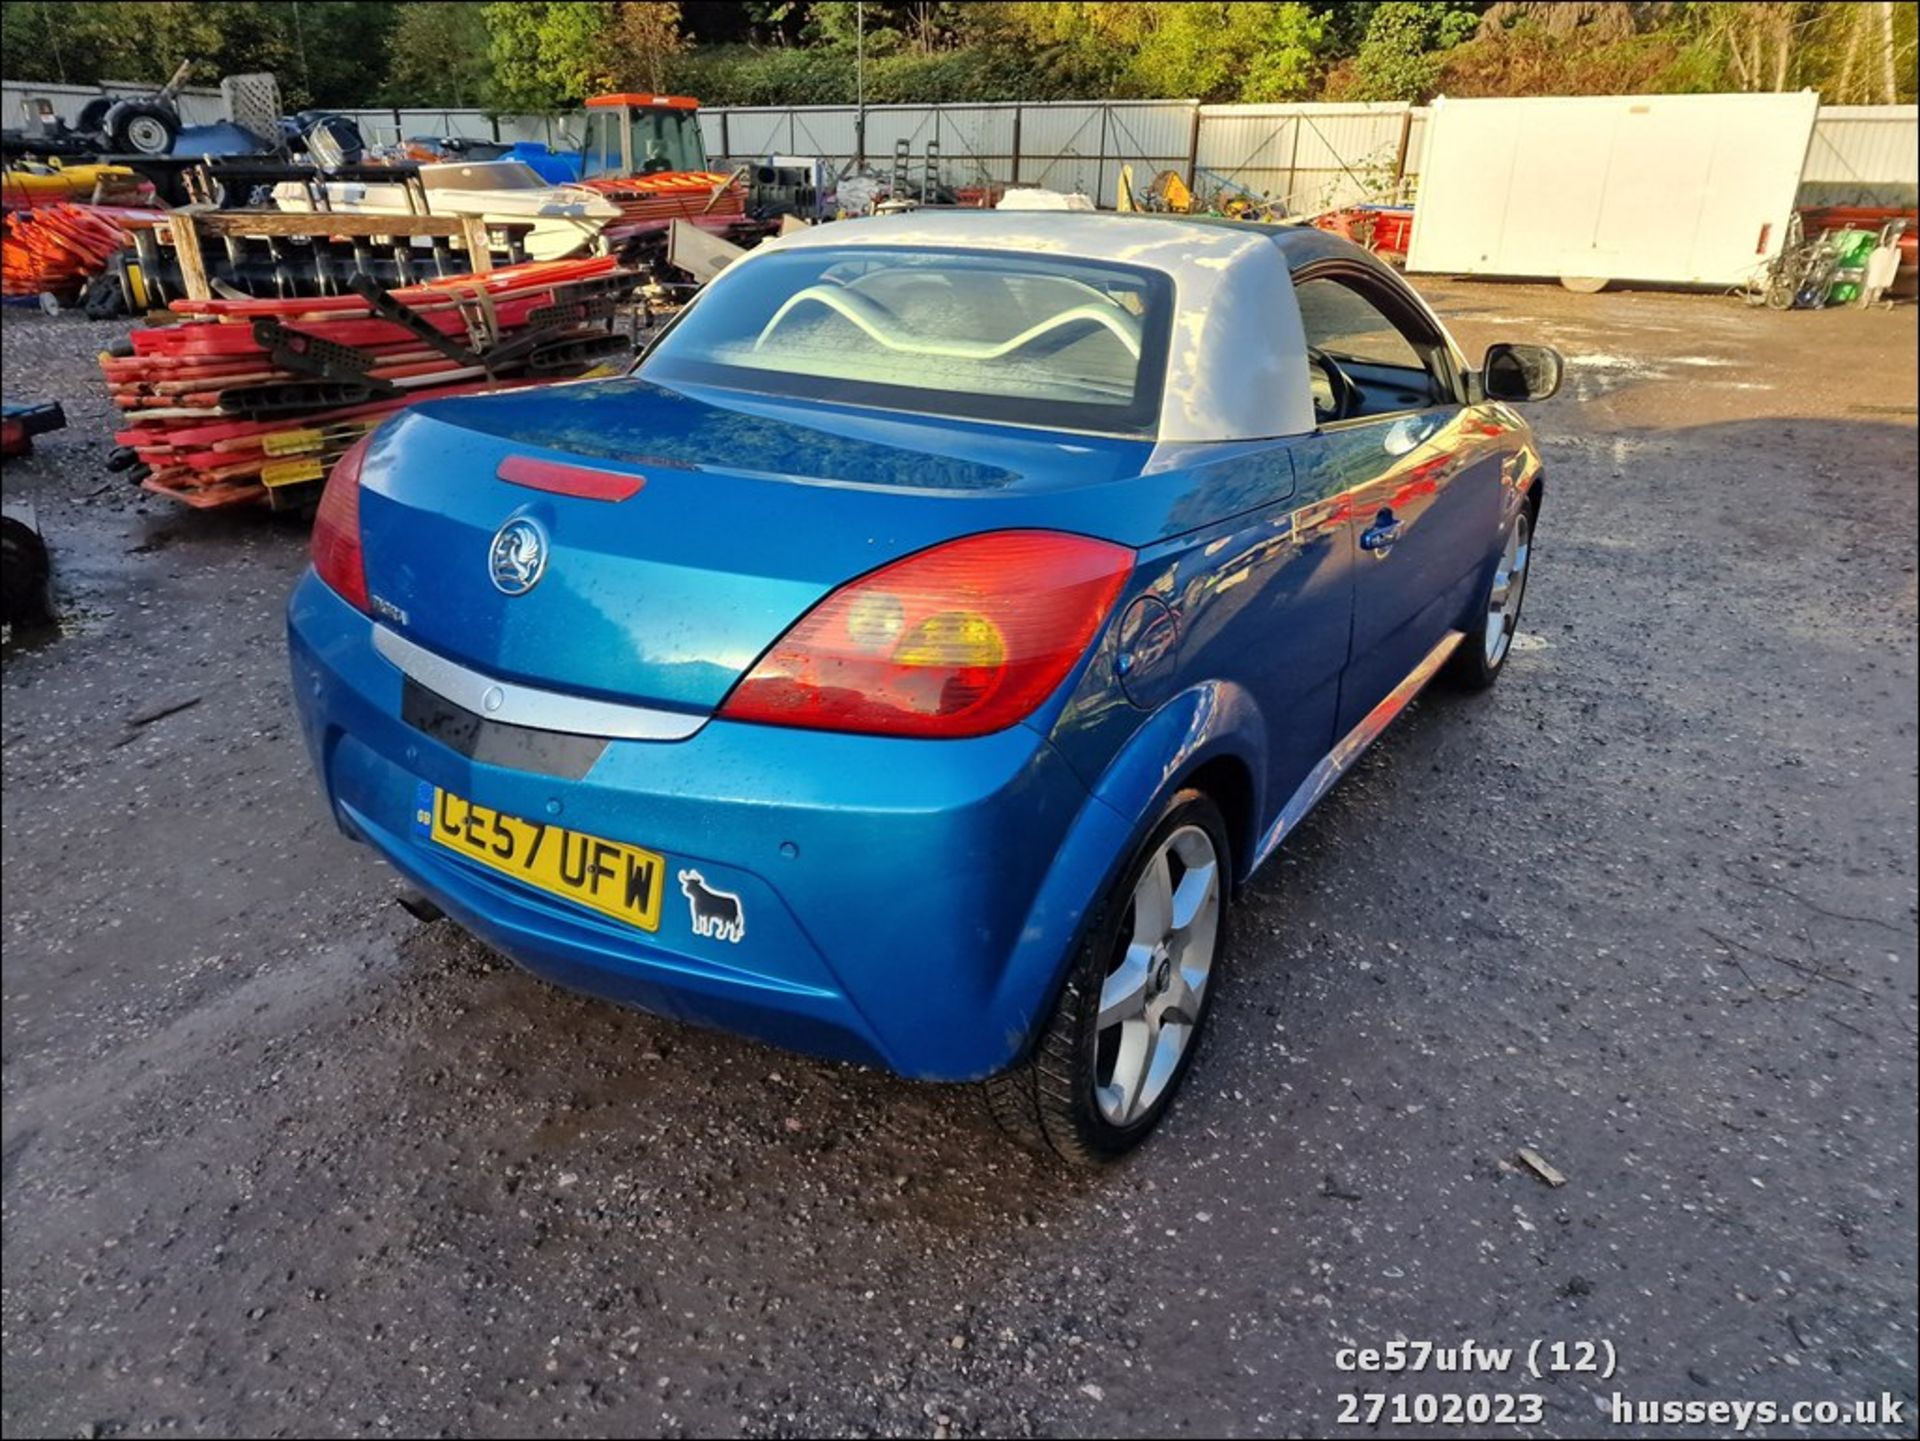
[1338, 761]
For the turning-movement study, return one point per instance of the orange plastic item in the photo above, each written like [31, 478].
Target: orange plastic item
[643, 102]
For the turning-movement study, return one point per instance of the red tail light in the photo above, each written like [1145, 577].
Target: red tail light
[960, 640]
[336, 529]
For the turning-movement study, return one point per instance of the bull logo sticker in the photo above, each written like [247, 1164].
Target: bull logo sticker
[717, 915]
[518, 556]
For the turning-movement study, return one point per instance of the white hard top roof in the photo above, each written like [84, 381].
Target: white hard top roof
[1237, 357]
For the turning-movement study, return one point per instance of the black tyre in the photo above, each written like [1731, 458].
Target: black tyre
[1495, 619]
[142, 127]
[93, 114]
[23, 575]
[1113, 1053]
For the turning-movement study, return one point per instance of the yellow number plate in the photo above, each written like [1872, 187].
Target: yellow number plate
[617, 880]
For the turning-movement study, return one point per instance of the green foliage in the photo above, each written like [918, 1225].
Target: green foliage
[836, 24]
[331, 45]
[1399, 56]
[318, 50]
[739, 75]
[1245, 51]
[640, 41]
[1841, 50]
[440, 56]
[1527, 61]
[547, 54]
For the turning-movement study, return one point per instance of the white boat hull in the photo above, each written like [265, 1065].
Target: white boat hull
[565, 219]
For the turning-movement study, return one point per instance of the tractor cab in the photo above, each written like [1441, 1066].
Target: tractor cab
[642, 135]
[645, 154]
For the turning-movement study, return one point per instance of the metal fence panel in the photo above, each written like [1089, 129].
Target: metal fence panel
[471, 124]
[759, 132]
[556, 132]
[713, 131]
[976, 143]
[1060, 147]
[1074, 146]
[889, 125]
[1311, 158]
[826, 130]
[1863, 154]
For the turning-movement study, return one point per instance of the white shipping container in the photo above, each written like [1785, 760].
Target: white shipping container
[1679, 189]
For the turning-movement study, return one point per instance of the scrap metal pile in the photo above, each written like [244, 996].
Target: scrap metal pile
[250, 401]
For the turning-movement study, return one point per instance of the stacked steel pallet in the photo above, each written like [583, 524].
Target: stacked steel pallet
[251, 401]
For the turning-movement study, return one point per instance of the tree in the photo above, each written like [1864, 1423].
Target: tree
[319, 51]
[1398, 59]
[1243, 51]
[642, 39]
[842, 25]
[546, 56]
[332, 43]
[440, 56]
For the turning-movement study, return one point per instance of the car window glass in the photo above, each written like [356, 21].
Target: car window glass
[1347, 326]
[1032, 339]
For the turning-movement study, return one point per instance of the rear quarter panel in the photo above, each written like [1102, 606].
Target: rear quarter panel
[1261, 602]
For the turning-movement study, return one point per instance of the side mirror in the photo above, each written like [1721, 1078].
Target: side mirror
[1521, 372]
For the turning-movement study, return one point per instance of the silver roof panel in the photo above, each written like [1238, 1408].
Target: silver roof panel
[1237, 358]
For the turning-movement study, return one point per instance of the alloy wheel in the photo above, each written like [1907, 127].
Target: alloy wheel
[1509, 584]
[1151, 999]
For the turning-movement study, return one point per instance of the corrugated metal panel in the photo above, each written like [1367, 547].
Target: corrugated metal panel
[1309, 157]
[1073, 146]
[556, 132]
[377, 127]
[1864, 154]
[757, 131]
[1060, 147]
[472, 124]
[888, 125]
[975, 141]
[976, 144]
[1158, 130]
[827, 130]
[1065, 129]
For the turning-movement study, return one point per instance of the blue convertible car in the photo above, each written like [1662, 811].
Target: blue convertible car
[908, 660]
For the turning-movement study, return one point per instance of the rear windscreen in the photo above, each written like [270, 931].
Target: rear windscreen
[1029, 340]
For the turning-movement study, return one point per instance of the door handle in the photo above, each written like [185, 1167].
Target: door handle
[1382, 535]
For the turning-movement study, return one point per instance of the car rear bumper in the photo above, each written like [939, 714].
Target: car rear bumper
[908, 904]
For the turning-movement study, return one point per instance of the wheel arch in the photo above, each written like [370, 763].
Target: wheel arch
[1227, 780]
[1208, 737]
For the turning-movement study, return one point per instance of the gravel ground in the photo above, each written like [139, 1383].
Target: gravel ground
[281, 1160]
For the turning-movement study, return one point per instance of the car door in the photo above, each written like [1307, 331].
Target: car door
[1424, 488]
